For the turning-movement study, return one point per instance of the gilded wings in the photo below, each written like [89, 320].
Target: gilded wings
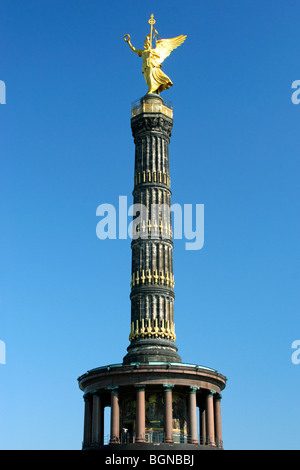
[164, 47]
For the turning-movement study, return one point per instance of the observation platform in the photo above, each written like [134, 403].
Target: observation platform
[152, 103]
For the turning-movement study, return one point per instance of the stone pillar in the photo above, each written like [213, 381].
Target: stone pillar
[115, 417]
[193, 432]
[140, 414]
[152, 278]
[101, 419]
[87, 436]
[97, 420]
[168, 413]
[210, 419]
[218, 421]
[202, 424]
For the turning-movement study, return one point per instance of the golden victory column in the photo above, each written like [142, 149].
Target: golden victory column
[157, 401]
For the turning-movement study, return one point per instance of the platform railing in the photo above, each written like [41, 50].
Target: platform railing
[139, 107]
[158, 437]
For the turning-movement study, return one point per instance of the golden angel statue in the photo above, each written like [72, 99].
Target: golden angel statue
[156, 79]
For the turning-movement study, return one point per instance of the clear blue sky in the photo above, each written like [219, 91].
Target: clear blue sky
[66, 147]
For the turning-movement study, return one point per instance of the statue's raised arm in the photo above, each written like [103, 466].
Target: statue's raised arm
[127, 39]
[156, 79]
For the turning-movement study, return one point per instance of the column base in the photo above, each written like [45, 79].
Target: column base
[152, 350]
[145, 446]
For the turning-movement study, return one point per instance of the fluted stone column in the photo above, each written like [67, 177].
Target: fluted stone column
[115, 417]
[87, 436]
[192, 409]
[168, 392]
[140, 414]
[218, 421]
[152, 332]
[210, 418]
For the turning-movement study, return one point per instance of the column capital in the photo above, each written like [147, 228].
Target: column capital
[211, 393]
[218, 396]
[139, 387]
[168, 387]
[114, 390]
[194, 389]
[95, 392]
